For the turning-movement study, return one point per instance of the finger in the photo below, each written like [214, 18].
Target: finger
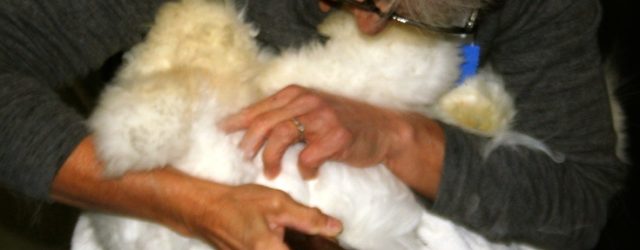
[309, 163]
[245, 117]
[264, 235]
[283, 136]
[262, 125]
[319, 151]
[308, 220]
[277, 230]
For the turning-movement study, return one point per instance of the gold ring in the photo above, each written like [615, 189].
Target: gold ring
[300, 127]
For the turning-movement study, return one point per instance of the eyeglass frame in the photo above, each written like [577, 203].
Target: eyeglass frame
[370, 6]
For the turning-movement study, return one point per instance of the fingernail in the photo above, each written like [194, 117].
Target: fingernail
[248, 154]
[334, 226]
[226, 125]
[270, 174]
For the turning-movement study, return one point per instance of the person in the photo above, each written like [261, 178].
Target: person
[546, 50]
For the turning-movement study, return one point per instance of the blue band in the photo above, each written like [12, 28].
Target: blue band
[471, 57]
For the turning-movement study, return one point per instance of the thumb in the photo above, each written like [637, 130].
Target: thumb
[308, 220]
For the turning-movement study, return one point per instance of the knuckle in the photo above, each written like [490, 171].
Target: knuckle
[259, 125]
[286, 94]
[316, 213]
[292, 89]
[318, 217]
[278, 199]
[311, 100]
[343, 136]
[343, 140]
[275, 204]
[328, 114]
[306, 160]
[282, 130]
[405, 132]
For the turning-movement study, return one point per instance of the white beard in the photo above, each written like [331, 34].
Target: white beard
[200, 63]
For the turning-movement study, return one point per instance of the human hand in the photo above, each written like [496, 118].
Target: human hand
[335, 128]
[341, 129]
[253, 217]
[229, 217]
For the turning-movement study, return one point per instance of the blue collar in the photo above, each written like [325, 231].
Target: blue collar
[471, 59]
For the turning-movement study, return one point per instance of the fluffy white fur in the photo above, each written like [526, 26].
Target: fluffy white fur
[200, 63]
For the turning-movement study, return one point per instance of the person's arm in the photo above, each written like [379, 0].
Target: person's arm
[229, 217]
[548, 56]
[547, 52]
[48, 154]
[44, 47]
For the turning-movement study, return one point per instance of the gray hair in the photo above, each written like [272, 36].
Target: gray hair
[441, 13]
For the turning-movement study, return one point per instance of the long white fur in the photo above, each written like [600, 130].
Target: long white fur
[200, 62]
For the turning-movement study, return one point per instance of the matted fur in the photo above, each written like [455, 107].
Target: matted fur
[200, 63]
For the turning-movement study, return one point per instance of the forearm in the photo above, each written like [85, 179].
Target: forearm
[519, 194]
[38, 131]
[71, 38]
[240, 217]
[514, 194]
[416, 156]
[141, 194]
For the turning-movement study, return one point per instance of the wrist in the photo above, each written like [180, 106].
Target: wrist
[417, 152]
[182, 200]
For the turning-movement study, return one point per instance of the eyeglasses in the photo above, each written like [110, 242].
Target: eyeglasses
[370, 6]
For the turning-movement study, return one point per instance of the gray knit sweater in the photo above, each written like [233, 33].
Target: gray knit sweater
[546, 49]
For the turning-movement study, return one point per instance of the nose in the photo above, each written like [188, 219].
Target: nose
[368, 22]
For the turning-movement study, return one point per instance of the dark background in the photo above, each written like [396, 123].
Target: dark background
[622, 48]
[30, 225]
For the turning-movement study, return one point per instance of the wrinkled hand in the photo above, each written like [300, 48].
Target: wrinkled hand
[254, 217]
[335, 128]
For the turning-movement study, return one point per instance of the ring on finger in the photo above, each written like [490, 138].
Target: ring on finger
[300, 127]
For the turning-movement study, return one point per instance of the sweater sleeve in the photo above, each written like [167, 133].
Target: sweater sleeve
[44, 45]
[284, 24]
[547, 52]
